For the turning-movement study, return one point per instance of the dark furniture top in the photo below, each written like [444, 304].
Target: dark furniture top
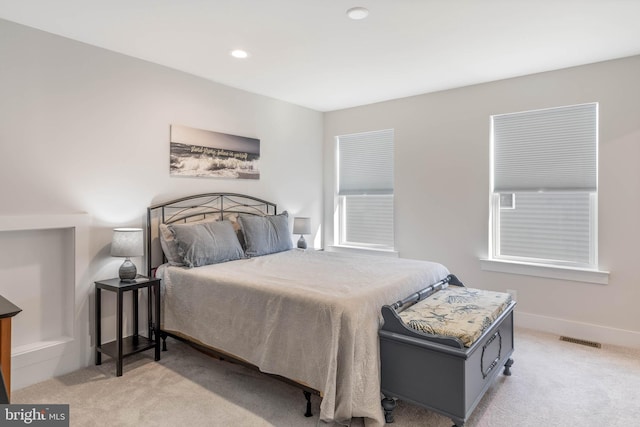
[7, 308]
[116, 285]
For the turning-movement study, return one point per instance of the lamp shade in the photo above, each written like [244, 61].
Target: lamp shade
[302, 225]
[127, 242]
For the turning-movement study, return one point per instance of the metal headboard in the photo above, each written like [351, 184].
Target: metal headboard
[194, 208]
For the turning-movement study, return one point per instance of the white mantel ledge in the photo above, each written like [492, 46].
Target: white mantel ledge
[42, 221]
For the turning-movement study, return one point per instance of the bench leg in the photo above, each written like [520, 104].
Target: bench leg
[507, 367]
[388, 405]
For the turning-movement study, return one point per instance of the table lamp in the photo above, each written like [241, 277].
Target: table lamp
[127, 243]
[302, 226]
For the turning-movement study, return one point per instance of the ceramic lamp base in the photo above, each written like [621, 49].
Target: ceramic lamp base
[302, 244]
[128, 271]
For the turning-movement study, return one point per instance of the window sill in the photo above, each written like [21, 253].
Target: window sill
[549, 271]
[361, 250]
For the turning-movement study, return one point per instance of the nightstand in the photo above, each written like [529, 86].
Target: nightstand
[135, 343]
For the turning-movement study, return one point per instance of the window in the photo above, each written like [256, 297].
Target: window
[365, 190]
[544, 186]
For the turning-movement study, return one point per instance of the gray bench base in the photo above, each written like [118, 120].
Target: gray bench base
[440, 374]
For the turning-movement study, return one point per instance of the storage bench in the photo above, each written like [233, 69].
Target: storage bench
[442, 347]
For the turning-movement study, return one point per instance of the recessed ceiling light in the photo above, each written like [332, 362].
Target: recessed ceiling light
[239, 53]
[357, 13]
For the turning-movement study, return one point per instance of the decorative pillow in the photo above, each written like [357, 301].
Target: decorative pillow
[207, 243]
[169, 243]
[265, 234]
[238, 229]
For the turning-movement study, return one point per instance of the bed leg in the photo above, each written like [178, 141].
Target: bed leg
[307, 395]
[164, 341]
[388, 405]
[507, 367]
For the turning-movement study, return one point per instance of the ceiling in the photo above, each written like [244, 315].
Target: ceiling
[309, 53]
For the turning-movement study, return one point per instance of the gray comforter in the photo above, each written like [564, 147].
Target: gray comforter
[310, 316]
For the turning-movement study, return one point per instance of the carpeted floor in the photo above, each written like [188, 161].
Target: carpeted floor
[554, 383]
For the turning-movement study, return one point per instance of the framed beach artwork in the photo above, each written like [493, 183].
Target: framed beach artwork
[204, 153]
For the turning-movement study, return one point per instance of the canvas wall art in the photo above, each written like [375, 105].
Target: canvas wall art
[204, 153]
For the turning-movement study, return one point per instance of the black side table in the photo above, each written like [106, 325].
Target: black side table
[135, 343]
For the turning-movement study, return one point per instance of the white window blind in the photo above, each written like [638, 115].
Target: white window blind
[366, 163]
[365, 189]
[544, 201]
[552, 149]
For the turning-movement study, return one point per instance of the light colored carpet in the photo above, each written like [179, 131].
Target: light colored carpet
[554, 383]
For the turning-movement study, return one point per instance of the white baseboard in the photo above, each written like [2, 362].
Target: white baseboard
[33, 363]
[585, 331]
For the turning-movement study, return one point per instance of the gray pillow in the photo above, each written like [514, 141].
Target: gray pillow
[207, 243]
[265, 234]
[170, 244]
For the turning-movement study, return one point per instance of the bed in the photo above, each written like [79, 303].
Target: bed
[311, 317]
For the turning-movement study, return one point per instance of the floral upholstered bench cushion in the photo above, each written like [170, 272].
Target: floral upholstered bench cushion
[464, 313]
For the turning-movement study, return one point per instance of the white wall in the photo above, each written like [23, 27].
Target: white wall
[83, 129]
[442, 186]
